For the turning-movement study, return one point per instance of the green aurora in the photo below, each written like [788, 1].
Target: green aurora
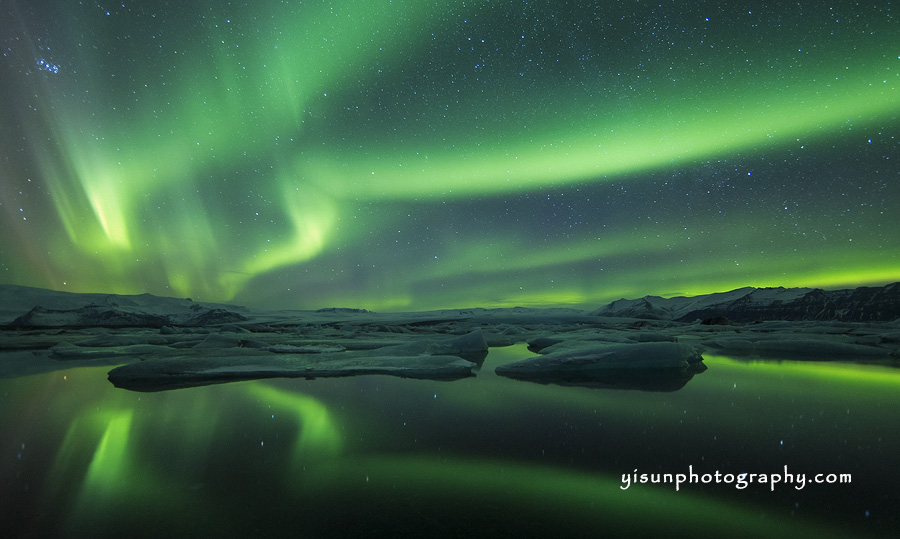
[405, 155]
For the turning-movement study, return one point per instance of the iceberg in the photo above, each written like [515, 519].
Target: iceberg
[649, 366]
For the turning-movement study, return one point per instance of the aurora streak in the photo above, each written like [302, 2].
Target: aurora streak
[403, 155]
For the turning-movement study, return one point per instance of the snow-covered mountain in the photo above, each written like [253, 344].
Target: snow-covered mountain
[48, 308]
[25, 307]
[863, 304]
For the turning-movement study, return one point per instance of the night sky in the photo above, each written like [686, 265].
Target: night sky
[410, 155]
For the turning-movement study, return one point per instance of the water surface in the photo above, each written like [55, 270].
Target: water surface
[485, 456]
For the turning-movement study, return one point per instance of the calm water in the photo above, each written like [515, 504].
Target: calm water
[487, 456]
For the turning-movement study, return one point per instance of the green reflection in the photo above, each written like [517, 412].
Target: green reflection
[317, 434]
[190, 461]
[100, 475]
[857, 379]
[552, 496]
[109, 464]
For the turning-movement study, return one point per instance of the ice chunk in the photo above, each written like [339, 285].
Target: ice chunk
[655, 366]
[182, 372]
[221, 359]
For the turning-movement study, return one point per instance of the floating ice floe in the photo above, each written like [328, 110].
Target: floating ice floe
[653, 366]
[163, 343]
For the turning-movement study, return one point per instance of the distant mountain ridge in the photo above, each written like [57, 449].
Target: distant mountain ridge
[863, 304]
[25, 307]
[49, 309]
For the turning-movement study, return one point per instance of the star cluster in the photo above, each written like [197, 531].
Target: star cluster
[415, 154]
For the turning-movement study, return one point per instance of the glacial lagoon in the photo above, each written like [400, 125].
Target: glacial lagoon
[485, 456]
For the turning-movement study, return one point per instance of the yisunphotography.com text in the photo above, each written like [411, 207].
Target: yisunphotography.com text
[740, 480]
